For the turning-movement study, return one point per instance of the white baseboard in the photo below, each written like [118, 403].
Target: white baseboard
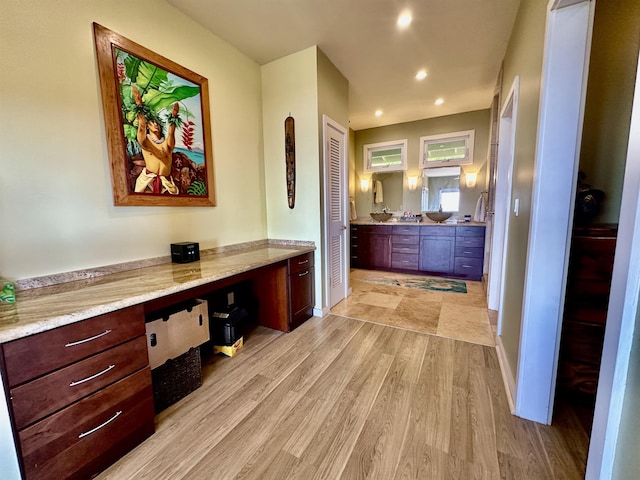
[507, 376]
[321, 312]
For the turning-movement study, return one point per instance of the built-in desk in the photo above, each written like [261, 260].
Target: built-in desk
[73, 356]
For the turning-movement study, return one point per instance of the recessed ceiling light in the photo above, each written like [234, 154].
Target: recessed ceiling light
[439, 101]
[404, 19]
[421, 75]
[378, 113]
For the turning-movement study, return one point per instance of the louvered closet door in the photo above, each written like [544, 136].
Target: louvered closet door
[335, 158]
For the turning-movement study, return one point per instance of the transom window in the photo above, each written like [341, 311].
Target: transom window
[455, 148]
[385, 156]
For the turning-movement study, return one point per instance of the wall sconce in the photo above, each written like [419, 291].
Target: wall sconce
[412, 182]
[364, 186]
[470, 179]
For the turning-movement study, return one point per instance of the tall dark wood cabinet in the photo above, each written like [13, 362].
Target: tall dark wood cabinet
[301, 289]
[586, 303]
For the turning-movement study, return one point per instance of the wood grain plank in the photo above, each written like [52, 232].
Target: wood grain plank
[341, 398]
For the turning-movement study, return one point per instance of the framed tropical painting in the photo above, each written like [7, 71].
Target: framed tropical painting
[157, 123]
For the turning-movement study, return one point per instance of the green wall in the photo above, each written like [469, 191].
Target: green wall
[524, 59]
[478, 120]
[612, 71]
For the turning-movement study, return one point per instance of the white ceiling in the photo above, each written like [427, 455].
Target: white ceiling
[460, 43]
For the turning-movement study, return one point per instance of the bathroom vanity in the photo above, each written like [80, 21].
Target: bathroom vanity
[452, 250]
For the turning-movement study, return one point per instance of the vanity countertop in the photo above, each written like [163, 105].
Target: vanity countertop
[44, 308]
[423, 223]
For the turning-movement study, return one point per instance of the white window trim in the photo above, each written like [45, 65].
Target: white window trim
[372, 147]
[468, 135]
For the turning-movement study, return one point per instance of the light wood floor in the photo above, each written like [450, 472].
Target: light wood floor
[340, 398]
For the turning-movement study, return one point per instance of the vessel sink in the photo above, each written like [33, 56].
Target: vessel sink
[381, 216]
[438, 217]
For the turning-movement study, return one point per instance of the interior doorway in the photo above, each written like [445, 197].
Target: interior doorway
[336, 209]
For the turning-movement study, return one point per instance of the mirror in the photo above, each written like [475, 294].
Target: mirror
[387, 191]
[441, 187]
[396, 194]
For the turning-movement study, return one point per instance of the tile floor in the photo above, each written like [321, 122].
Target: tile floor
[460, 316]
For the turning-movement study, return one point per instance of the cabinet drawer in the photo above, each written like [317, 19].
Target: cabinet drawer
[438, 231]
[405, 239]
[404, 230]
[89, 435]
[300, 263]
[405, 261]
[38, 398]
[468, 266]
[405, 249]
[45, 352]
[470, 231]
[470, 242]
[471, 252]
[373, 229]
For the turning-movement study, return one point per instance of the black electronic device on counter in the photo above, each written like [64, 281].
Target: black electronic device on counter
[185, 252]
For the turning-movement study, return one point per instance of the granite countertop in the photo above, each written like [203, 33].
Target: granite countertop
[423, 223]
[40, 309]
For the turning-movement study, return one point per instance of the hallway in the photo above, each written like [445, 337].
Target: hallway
[340, 398]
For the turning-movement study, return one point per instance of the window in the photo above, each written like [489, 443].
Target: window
[455, 148]
[385, 156]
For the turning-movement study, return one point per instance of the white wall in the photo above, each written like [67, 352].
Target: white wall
[56, 207]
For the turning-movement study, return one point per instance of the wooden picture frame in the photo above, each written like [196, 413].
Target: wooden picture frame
[157, 124]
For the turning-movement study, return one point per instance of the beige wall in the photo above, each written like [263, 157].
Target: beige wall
[412, 131]
[612, 71]
[56, 206]
[523, 58]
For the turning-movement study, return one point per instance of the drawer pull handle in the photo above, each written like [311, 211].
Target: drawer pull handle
[468, 252]
[118, 413]
[95, 375]
[467, 266]
[303, 262]
[73, 344]
[303, 273]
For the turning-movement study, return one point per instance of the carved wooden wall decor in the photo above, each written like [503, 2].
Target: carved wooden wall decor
[290, 155]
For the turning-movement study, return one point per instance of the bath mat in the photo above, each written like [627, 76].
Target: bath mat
[439, 284]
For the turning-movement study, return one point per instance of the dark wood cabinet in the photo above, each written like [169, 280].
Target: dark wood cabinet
[81, 395]
[405, 247]
[378, 252]
[586, 303]
[436, 254]
[301, 289]
[371, 246]
[469, 252]
[451, 250]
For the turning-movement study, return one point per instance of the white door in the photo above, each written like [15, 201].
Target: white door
[335, 167]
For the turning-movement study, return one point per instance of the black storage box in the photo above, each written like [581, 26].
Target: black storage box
[176, 379]
[226, 325]
[185, 252]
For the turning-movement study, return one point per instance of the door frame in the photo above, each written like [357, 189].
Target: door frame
[327, 123]
[565, 66]
[622, 313]
[508, 120]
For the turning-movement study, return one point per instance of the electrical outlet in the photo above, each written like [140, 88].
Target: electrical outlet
[230, 298]
[516, 206]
